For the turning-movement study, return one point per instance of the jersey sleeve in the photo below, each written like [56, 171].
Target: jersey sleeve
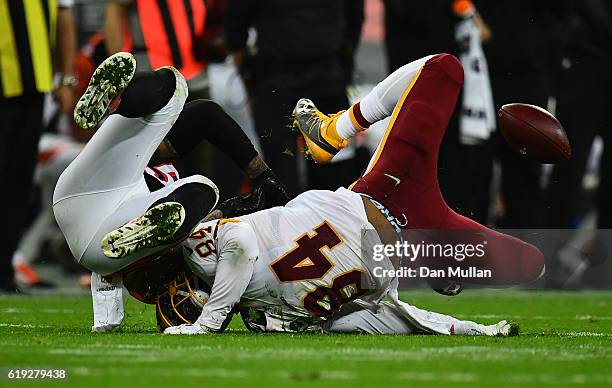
[237, 251]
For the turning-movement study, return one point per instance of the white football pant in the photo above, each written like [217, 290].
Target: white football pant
[104, 188]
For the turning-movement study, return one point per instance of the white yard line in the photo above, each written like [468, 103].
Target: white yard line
[407, 376]
[23, 326]
[14, 310]
[317, 375]
[584, 334]
[191, 372]
[437, 376]
[461, 353]
[536, 317]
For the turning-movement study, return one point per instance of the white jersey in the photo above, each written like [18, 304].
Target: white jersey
[310, 259]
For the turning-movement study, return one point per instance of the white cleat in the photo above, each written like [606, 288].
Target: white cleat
[186, 329]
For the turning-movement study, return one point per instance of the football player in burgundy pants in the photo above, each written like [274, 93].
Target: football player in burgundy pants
[304, 259]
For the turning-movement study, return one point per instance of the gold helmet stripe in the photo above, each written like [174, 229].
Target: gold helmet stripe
[161, 313]
[194, 294]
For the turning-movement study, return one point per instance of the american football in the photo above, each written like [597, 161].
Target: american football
[534, 133]
[305, 193]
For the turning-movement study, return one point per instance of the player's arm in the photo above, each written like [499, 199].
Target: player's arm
[107, 296]
[466, 9]
[237, 247]
[483, 27]
[205, 120]
[114, 25]
[66, 51]
[267, 191]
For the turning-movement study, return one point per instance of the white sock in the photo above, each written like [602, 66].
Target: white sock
[380, 102]
[345, 127]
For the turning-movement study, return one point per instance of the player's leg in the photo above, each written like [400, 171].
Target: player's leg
[436, 323]
[405, 161]
[119, 151]
[103, 189]
[387, 318]
[326, 135]
[110, 167]
[355, 318]
[403, 172]
[146, 225]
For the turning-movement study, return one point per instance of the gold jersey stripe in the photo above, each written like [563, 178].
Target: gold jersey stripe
[228, 220]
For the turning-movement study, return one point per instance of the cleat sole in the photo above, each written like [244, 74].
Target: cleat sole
[154, 228]
[107, 82]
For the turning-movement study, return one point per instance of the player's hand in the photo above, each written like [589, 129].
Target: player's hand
[187, 329]
[268, 191]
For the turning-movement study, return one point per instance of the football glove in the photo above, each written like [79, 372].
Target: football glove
[186, 329]
[268, 191]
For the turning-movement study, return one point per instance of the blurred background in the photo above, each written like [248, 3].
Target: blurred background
[257, 58]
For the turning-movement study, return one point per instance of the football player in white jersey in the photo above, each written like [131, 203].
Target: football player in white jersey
[112, 221]
[306, 260]
[302, 260]
[284, 279]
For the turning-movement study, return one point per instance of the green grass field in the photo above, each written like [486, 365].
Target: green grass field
[566, 339]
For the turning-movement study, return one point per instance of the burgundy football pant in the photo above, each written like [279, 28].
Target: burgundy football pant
[403, 173]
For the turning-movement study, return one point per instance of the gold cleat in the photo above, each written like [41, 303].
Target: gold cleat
[319, 131]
